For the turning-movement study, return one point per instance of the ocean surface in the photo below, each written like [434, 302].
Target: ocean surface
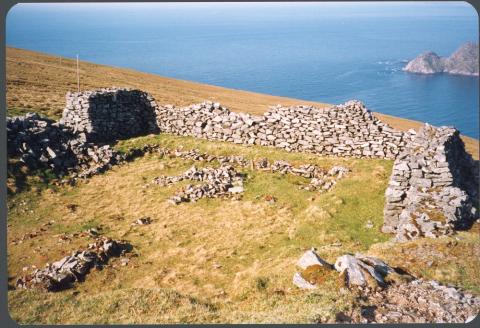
[322, 52]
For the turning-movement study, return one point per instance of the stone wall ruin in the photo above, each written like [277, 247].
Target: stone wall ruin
[42, 143]
[348, 130]
[110, 114]
[433, 189]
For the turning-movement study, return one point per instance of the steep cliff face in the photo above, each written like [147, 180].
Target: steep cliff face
[464, 61]
[426, 63]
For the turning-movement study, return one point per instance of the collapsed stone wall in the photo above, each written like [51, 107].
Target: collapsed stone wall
[42, 143]
[110, 114]
[433, 189]
[343, 130]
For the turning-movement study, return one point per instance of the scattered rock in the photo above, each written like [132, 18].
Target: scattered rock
[386, 294]
[310, 258]
[418, 301]
[143, 221]
[63, 273]
[216, 182]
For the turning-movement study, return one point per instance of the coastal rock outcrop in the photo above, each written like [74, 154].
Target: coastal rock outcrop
[464, 61]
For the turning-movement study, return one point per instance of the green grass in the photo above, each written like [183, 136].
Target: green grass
[18, 111]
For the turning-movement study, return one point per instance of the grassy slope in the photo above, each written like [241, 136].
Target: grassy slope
[37, 81]
[215, 260]
[176, 277]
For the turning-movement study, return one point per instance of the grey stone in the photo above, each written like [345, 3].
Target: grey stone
[310, 258]
[302, 283]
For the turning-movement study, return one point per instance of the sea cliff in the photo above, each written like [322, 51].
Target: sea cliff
[464, 61]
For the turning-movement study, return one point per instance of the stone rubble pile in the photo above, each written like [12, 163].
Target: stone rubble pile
[95, 159]
[62, 274]
[419, 301]
[433, 187]
[321, 180]
[217, 182]
[43, 143]
[109, 114]
[343, 130]
[389, 295]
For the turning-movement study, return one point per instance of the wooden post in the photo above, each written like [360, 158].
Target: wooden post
[78, 77]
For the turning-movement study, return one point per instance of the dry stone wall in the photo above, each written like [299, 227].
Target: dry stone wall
[433, 189]
[109, 114]
[345, 130]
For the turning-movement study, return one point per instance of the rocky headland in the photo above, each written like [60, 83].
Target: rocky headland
[464, 61]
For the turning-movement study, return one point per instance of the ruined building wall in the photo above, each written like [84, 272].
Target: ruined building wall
[344, 130]
[109, 114]
[433, 188]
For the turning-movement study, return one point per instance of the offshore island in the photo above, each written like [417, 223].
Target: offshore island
[464, 61]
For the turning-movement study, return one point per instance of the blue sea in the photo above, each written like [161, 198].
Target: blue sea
[326, 52]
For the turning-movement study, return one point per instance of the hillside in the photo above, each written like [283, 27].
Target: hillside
[221, 260]
[38, 82]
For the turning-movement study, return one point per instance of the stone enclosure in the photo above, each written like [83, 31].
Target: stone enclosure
[110, 114]
[433, 189]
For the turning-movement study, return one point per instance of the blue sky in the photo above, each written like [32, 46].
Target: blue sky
[325, 8]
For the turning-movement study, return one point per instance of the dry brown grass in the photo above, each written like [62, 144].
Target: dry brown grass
[37, 81]
[41, 82]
